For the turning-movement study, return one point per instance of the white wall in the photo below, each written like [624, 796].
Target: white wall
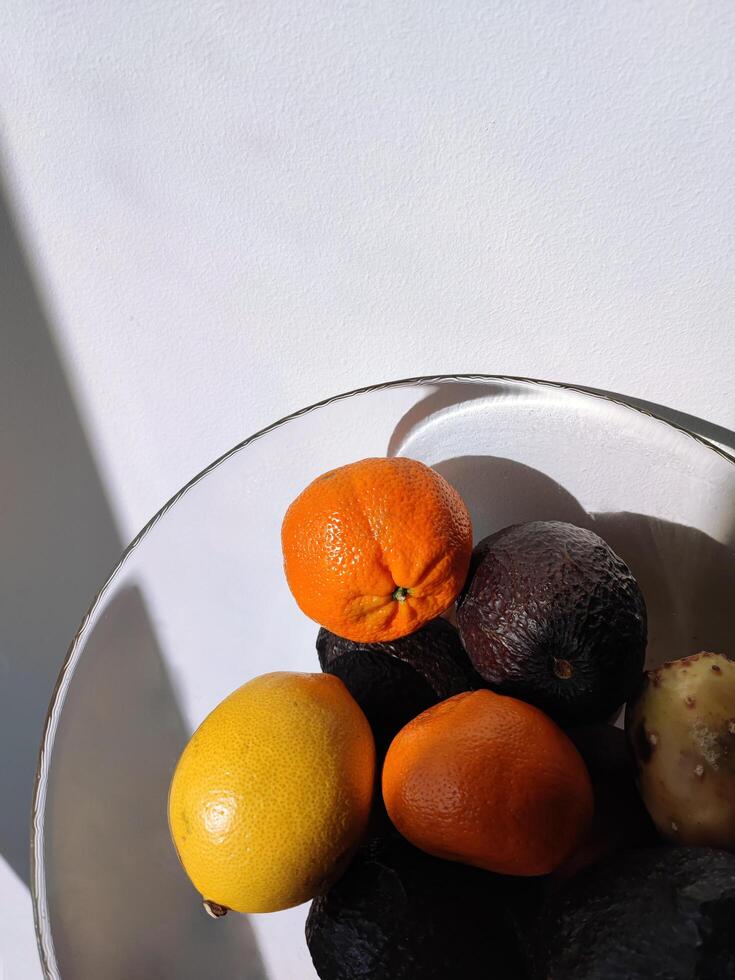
[233, 209]
[238, 208]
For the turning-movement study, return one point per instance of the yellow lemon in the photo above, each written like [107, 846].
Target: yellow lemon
[273, 792]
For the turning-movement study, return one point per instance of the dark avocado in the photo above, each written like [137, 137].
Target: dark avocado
[664, 913]
[620, 820]
[550, 614]
[398, 914]
[524, 901]
[394, 682]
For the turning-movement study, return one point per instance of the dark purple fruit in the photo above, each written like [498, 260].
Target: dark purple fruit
[393, 682]
[399, 914]
[662, 913]
[551, 615]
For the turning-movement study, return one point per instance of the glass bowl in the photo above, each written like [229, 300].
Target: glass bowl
[198, 604]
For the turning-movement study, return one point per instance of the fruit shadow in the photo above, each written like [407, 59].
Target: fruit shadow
[120, 903]
[687, 577]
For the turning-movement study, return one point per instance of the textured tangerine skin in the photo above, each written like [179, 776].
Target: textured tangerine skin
[489, 781]
[273, 791]
[360, 532]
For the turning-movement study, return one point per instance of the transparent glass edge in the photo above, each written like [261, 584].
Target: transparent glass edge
[37, 882]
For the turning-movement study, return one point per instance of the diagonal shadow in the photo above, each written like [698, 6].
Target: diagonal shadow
[107, 837]
[57, 535]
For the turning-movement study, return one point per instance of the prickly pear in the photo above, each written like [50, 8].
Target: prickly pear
[681, 727]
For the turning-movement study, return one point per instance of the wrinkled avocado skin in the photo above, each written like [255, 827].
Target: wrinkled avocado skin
[394, 682]
[398, 914]
[664, 913]
[548, 599]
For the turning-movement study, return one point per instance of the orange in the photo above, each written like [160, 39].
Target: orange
[375, 549]
[489, 781]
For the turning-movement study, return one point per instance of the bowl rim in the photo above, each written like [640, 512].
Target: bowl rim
[42, 928]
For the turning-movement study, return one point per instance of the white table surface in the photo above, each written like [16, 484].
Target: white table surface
[227, 211]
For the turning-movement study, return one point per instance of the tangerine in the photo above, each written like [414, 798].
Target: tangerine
[489, 781]
[375, 549]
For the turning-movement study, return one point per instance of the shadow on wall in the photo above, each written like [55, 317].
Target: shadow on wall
[58, 543]
[57, 537]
